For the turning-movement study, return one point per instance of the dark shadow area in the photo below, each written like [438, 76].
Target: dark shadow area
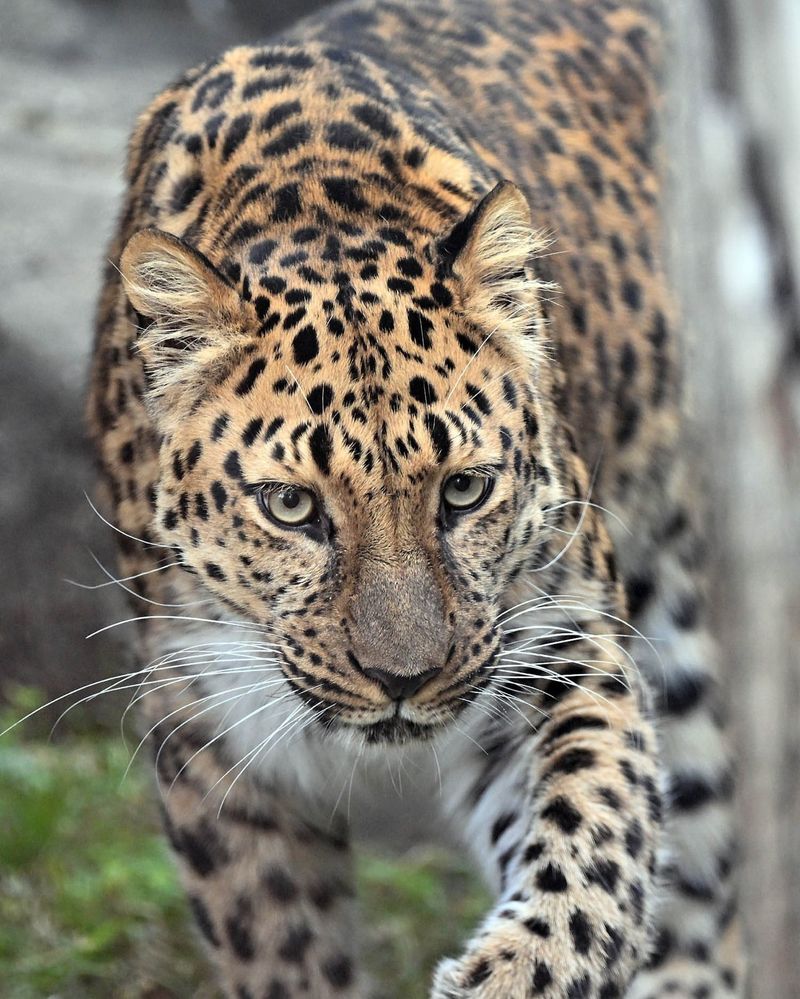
[46, 531]
[73, 75]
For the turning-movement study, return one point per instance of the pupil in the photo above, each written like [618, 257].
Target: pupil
[290, 498]
[461, 483]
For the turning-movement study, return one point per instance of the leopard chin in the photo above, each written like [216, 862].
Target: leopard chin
[397, 730]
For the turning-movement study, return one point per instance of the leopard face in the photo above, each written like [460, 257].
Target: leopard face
[355, 459]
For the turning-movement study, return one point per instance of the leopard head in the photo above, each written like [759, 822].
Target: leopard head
[357, 446]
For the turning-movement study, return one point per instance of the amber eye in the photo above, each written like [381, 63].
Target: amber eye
[465, 491]
[288, 506]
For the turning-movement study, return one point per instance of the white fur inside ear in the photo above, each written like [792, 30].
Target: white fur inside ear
[161, 283]
[170, 288]
[193, 317]
[501, 291]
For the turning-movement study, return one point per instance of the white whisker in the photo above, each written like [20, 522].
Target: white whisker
[253, 754]
[226, 694]
[150, 544]
[178, 617]
[155, 603]
[123, 579]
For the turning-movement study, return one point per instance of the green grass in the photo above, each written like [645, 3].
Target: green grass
[90, 904]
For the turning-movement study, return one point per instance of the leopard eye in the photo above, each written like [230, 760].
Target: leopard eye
[288, 506]
[465, 491]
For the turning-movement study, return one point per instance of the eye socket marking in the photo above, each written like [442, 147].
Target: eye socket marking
[287, 505]
[465, 491]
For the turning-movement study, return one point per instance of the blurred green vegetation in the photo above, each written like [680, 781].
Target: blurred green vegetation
[90, 904]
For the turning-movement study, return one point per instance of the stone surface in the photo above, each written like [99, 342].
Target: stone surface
[73, 75]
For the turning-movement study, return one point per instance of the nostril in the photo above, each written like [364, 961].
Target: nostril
[398, 686]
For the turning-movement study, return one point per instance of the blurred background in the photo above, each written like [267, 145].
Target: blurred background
[88, 900]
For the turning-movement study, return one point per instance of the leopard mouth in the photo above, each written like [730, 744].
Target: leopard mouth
[400, 721]
[400, 724]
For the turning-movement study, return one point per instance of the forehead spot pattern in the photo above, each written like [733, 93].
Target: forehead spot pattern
[305, 345]
[321, 446]
[254, 372]
[419, 328]
[439, 435]
[422, 390]
[320, 398]
[251, 431]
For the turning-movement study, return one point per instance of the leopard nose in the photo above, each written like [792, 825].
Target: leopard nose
[399, 687]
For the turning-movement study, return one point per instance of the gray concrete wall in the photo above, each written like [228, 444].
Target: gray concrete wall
[73, 75]
[735, 149]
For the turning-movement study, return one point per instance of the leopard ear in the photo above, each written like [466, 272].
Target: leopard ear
[188, 314]
[491, 251]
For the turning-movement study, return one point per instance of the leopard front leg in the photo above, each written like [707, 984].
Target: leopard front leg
[271, 894]
[565, 819]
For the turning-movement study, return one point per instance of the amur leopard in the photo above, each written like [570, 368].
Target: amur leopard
[387, 402]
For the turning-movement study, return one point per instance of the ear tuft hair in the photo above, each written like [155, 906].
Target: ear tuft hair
[491, 251]
[189, 314]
